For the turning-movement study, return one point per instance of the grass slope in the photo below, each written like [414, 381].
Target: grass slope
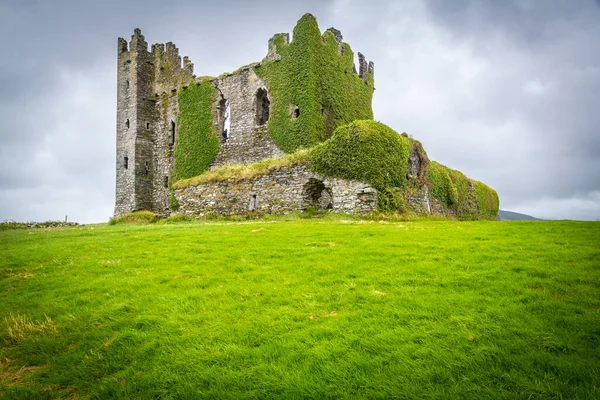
[302, 309]
[515, 216]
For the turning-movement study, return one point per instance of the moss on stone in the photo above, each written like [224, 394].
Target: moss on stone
[197, 143]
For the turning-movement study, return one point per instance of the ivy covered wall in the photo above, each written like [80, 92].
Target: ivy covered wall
[197, 144]
[314, 78]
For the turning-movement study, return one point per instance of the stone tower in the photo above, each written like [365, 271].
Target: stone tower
[134, 141]
[146, 122]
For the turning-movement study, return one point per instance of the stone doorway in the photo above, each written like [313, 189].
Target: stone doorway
[316, 195]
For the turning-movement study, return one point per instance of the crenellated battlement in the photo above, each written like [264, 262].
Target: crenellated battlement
[283, 39]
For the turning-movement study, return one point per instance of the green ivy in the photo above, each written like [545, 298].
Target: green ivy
[173, 202]
[487, 200]
[197, 143]
[366, 151]
[392, 200]
[440, 184]
[468, 198]
[313, 76]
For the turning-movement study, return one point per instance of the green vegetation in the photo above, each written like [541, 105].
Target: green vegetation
[314, 77]
[236, 173]
[441, 186]
[136, 217]
[365, 151]
[369, 151]
[8, 225]
[470, 199]
[302, 309]
[197, 143]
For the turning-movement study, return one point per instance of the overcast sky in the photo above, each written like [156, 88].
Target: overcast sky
[507, 91]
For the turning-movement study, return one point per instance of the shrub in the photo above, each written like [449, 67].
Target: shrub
[366, 151]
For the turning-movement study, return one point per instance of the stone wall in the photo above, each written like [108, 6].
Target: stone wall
[247, 140]
[282, 191]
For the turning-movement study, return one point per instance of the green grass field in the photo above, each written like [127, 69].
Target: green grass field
[302, 309]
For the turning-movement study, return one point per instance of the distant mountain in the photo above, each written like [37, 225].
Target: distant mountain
[513, 216]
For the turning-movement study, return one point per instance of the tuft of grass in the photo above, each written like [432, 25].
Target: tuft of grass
[18, 327]
[136, 217]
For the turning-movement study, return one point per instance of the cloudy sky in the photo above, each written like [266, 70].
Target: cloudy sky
[507, 91]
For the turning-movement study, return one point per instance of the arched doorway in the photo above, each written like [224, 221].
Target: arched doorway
[316, 195]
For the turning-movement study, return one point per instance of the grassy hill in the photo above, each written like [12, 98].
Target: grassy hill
[515, 216]
[302, 309]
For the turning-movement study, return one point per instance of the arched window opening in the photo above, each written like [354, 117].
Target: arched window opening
[166, 181]
[126, 162]
[127, 84]
[127, 124]
[224, 118]
[146, 168]
[172, 133]
[262, 107]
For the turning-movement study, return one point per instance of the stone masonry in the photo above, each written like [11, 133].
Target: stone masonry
[282, 191]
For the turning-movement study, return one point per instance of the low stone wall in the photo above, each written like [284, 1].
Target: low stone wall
[282, 191]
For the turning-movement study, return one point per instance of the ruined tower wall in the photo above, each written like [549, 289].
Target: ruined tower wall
[147, 84]
[247, 140]
[134, 142]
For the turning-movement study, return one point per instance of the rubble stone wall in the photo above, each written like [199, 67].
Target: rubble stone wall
[282, 191]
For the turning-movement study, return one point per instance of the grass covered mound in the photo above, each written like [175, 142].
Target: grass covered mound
[366, 151]
[302, 309]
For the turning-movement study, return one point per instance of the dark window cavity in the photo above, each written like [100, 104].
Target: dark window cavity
[166, 183]
[224, 118]
[127, 124]
[147, 125]
[127, 84]
[172, 134]
[262, 107]
[146, 168]
[253, 203]
[126, 162]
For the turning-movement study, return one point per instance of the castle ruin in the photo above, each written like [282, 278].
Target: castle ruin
[173, 125]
